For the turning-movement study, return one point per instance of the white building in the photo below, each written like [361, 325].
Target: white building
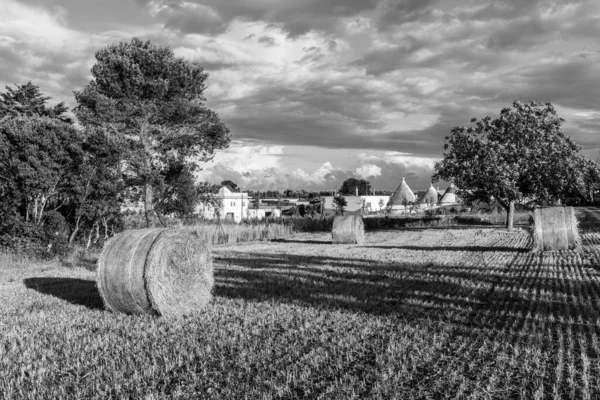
[359, 205]
[234, 206]
[264, 212]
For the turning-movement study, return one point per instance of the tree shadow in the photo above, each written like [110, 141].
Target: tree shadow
[475, 298]
[80, 292]
[302, 241]
[456, 248]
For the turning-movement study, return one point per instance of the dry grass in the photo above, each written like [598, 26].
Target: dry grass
[444, 313]
[241, 233]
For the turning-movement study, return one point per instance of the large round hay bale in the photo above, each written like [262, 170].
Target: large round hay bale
[555, 228]
[156, 271]
[348, 229]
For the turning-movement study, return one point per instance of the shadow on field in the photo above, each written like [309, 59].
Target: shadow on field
[455, 248]
[348, 283]
[76, 291]
[302, 241]
[473, 297]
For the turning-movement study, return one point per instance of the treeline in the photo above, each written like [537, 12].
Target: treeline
[142, 130]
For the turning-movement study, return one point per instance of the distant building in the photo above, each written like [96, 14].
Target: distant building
[449, 196]
[401, 198]
[234, 206]
[264, 212]
[357, 205]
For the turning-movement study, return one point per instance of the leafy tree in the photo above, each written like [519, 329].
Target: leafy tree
[521, 157]
[26, 100]
[179, 194]
[234, 187]
[95, 191]
[154, 102]
[340, 204]
[350, 185]
[39, 155]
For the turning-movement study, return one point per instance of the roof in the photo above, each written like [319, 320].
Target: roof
[449, 195]
[430, 197]
[401, 195]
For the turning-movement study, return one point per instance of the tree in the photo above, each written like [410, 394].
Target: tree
[350, 185]
[178, 191]
[234, 187]
[95, 190]
[340, 204]
[38, 157]
[521, 157]
[154, 102]
[26, 100]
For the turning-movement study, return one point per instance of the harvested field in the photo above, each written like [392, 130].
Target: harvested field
[467, 313]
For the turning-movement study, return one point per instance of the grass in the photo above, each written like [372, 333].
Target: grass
[448, 313]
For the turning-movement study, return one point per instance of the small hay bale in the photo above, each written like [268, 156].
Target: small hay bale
[348, 229]
[555, 228]
[156, 271]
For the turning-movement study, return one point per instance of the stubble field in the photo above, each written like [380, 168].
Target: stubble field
[432, 313]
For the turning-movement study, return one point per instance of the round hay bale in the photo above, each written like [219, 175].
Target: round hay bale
[348, 229]
[156, 271]
[555, 228]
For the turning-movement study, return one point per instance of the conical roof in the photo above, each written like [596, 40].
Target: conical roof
[401, 195]
[449, 195]
[430, 197]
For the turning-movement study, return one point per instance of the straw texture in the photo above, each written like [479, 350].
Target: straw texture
[156, 271]
[348, 229]
[555, 228]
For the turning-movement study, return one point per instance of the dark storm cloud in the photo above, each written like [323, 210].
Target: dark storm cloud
[294, 17]
[391, 13]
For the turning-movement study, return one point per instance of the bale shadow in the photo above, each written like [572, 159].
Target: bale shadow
[80, 292]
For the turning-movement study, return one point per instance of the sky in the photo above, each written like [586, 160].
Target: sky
[318, 91]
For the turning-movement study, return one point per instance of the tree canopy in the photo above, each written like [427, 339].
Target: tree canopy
[232, 185]
[521, 157]
[27, 100]
[154, 101]
[350, 185]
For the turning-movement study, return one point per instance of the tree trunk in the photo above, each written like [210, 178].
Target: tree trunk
[510, 214]
[72, 237]
[148, 203]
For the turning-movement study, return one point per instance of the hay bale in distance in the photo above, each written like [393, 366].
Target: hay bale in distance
[555, 228]
[156, 271]
[348, 229]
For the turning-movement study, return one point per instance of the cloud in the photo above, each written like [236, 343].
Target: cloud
[257, 166]
[36, 45]
[189, 17]
[267, 41]
[367, 171]
[294, 17]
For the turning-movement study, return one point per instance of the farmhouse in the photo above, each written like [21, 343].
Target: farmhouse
[234, 206]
